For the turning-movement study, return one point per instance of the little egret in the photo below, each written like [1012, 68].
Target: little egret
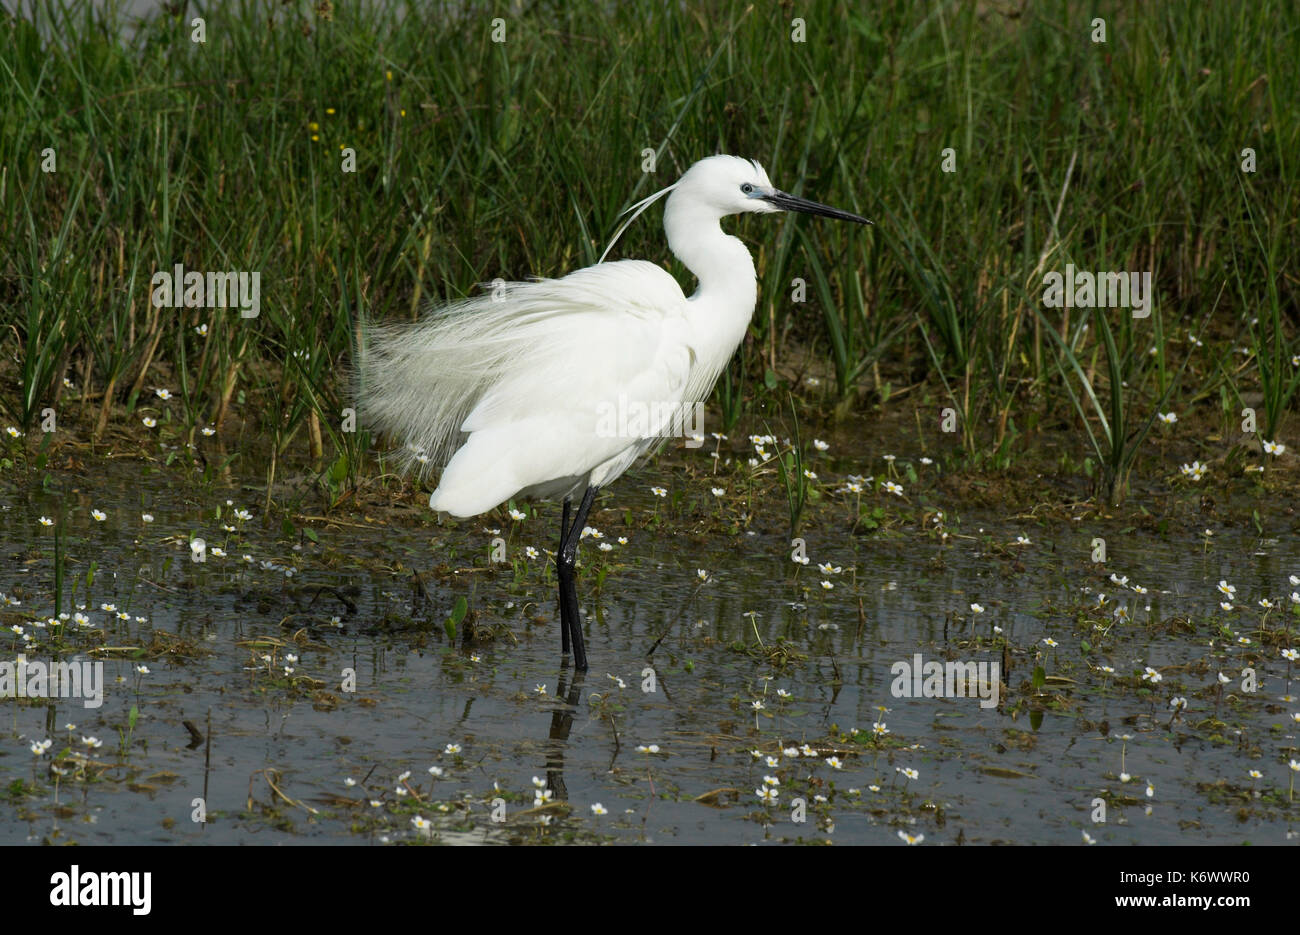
[512, 392]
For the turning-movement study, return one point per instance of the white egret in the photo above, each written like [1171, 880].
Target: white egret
[511, 392]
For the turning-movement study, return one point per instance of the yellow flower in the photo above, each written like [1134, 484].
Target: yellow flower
[315, 138]
[313, 126]
[329, 110]
[389, 74]
[403, 111]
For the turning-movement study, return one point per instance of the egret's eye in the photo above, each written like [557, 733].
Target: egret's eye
[747, 189]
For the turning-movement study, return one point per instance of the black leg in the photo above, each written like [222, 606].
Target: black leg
[565, 573]
[565, 560]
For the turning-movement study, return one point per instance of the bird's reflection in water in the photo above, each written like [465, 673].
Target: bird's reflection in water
[561, 724]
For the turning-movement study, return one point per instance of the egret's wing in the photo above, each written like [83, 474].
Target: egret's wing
[589, 391]
[608, 335]
[515, 383]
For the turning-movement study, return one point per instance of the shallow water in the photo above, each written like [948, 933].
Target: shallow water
[282, 746]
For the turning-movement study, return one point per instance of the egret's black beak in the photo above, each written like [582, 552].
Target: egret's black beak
[788, 202]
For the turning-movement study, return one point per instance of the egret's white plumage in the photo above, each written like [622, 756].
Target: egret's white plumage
[513, 383]
[505, 389]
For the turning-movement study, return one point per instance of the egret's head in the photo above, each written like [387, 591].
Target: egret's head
[718, 186]
[731, 185]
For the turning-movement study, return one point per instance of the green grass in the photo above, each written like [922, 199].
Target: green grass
[478, 160]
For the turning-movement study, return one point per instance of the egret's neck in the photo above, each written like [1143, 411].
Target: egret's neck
[719, 261]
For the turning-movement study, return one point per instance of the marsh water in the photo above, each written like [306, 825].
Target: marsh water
[305, 676]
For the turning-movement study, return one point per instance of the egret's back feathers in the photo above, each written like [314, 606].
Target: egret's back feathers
[527, 367]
